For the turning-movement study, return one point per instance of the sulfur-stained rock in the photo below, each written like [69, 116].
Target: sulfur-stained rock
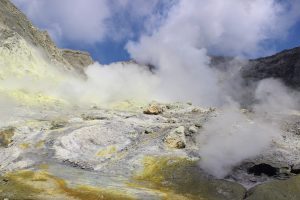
[57, 124]
[6, 136]
[176, 138]
[40, 185]
[153, 109]
[180, 178]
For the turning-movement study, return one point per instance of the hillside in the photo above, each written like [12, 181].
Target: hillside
[15, 22]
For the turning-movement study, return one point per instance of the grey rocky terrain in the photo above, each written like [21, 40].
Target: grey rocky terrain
[147, 152]
[53, 149]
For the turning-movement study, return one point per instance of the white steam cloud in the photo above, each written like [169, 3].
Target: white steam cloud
[273, 96]
[231, 138]
[116, 82]
[229, 27]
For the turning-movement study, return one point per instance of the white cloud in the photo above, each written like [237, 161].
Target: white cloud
[223, 26]
[90, 21]
[78, 20]
[231, 27]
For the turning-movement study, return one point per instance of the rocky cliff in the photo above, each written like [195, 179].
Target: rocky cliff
[16, 23]
[284, 65]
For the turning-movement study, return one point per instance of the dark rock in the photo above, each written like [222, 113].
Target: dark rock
[295, 169]
[284, 66]
[220, 62]
[242, 76]
[263, 168]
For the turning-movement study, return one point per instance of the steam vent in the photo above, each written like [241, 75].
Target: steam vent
[171, 123]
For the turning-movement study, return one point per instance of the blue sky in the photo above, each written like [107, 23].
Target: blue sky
[293, 39]
[111, 51]
[105, 52]
[103, 28]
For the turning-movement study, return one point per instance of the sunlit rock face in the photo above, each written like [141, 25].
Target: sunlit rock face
[31, 65]
[17, 22]
[23, 69]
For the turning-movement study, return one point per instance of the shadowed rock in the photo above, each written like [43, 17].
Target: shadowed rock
[276, 190]
[284, 66]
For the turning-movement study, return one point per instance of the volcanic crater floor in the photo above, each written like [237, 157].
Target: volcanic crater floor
[135, 153]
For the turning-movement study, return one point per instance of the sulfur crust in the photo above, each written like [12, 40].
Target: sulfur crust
[156, 172]
[42, 185]
[21, 64]
[107, 151]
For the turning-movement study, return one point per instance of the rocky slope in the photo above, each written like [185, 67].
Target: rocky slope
[16, 23]
[284, 65]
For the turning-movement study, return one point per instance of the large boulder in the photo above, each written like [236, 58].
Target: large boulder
[153, 109]
[277, 190]
[176, 138]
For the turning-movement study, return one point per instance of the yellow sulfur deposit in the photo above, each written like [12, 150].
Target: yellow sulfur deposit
[156, 169]
[42, 185]
[107, 151]
[24, 146]
[22, 67]
[40, 144]
[34, 99]
[180, 178]
[157, 173]
[129, 105]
